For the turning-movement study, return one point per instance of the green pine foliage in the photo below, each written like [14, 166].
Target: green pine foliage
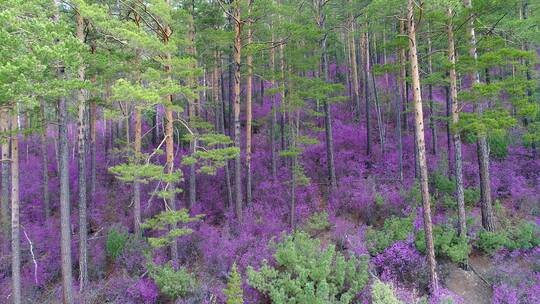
[525, 235]
[116, 242]
[447, 243]
[307, 273]
[164, 221]
[394, 229]
[383, 293]
[234, 290]
[172, 283]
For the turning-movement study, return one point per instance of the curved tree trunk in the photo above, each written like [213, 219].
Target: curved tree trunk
[419, 131]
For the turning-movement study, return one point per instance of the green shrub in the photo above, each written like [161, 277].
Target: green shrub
[394, 229]
[317, 222]
[172, 283]
[498, 144]
[471, 196]
[444, 185]
[522, 236]
[447, 243]
[379, 200]
[116, 242]
[234, 290]
[307, 273]
[382, 293]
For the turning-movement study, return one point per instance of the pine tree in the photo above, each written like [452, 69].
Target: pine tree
[234, 290]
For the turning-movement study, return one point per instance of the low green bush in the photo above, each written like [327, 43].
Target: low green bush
[394, 229]
[382, 293]
[116, 242]
[447, 243]
[306, 273]
[172, 283]
[317, 222]
[522, 236]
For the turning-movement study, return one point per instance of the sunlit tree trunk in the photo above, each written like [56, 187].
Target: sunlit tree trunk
[354, 68]
[488, 219]
[63, 169]
[194, 105]
[4, 199]
[249, 92]
[15, 205]
[237, 49]
[44, 159]
[455, 119]
[419, 130]
[137, 145]
[365, 56]
[81, 144]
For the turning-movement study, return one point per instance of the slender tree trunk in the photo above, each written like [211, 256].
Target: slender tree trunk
[419, 130]
[274, 113]
[327, 110]
[138, 145]
[63, 169]
[4, 199]
[432, 123]
[249, 92]
[15, 204]
[65, 224]
[365, 53]
[44, 159]
[403, 79]
[83, 252]
[194, 108]
[455, 119]
[448, 131]
[380, 124]
[488, 219]
[220, 104]
[237, 133]
[354, 68]
[398, 131]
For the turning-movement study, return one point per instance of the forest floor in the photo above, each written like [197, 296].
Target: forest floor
[469, 284]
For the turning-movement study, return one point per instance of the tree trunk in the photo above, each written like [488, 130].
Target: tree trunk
[194, 108]
[419, 130]
[365, 53]
[4, 199]
[15, 204]
[237, 134]
[249, 91]
[354, 68]
[273, 123]
[488, 219]
[432, 123]
[403, 79]
[327, 110]
[138, 156]
[455, 119]
[448, 131]
[44, 159]
[83, 252]
[63, 169]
